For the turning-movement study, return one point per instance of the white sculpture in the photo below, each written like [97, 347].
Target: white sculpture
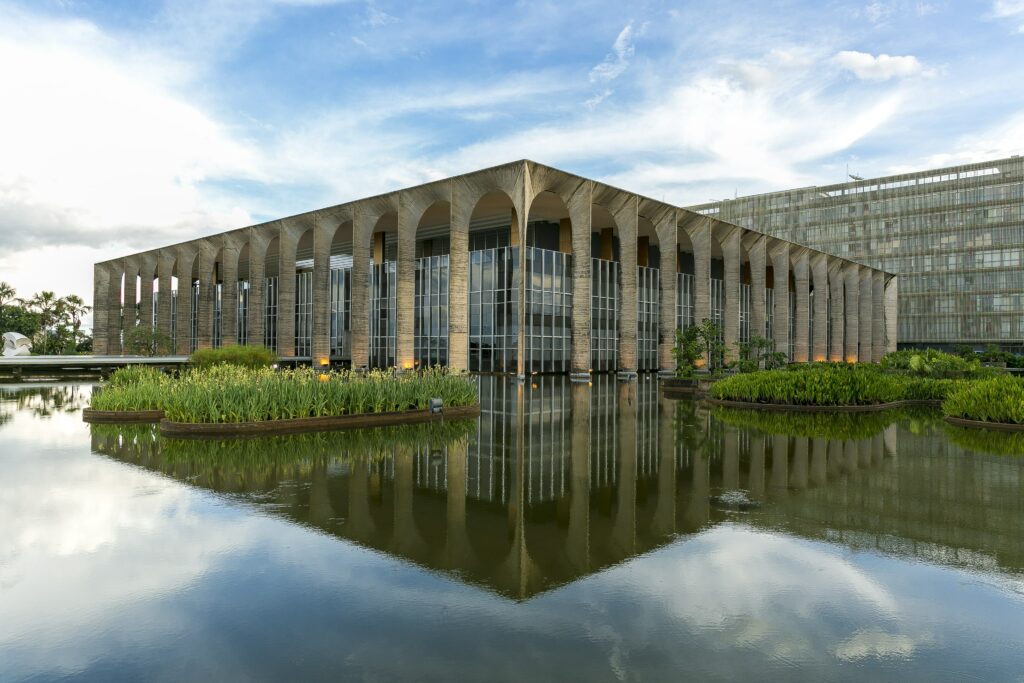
[16, 345]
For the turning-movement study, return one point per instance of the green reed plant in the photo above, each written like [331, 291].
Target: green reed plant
[832, 426]
[133, 388]
[818, 384]
[236, 354]
[997, 399]
[225, 393]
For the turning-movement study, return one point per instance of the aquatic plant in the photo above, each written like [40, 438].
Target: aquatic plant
[236, 354]
[832, 426]
[232, 393]
[932, 363]
[832, 384]
[998, 399]
[986, 440]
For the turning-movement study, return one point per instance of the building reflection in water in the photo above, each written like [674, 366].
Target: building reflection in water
[558, 480]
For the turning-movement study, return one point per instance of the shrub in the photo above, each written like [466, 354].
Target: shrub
[143, 341]
[833, 426]
[820, 384]
[997, 399]
[930, 363]
[236, 354]
[686, 351]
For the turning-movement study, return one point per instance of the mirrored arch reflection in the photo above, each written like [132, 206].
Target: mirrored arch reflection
[559, 480]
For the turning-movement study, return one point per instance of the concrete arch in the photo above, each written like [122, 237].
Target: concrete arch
[490, 206]
[231, 255]
[432, 238]
[550, 228]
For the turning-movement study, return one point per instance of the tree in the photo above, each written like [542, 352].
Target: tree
[751, 352]
[710, 334]
[143, 341]
[686, 351]
[6, 294]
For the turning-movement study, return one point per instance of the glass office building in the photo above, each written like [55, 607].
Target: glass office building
[954, 236]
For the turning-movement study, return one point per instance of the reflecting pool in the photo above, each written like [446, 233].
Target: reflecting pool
[571, 532]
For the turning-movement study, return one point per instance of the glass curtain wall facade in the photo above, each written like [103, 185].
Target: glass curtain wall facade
[430, 339]
[549, 310]
[341, 313]
[270, 312]
[304, 313]
[218, 308]
[493, 309]
[383, 306]
[684, 300]
[954, 236]
[193, 323]
[242, 316]
[647, 313]
[604, 315]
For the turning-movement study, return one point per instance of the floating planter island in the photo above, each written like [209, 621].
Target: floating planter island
[230, 400]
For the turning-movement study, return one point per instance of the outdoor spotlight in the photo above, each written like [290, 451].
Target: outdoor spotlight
[435, 405]
[325, 361]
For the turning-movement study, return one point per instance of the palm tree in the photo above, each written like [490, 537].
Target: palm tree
[75, 309]
[6, 293]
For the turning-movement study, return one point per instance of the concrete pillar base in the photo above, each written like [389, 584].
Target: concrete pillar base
[579, 377]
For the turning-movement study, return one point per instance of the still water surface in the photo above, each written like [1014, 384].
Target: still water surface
[571, 533]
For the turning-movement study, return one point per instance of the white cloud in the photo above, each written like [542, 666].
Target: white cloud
[881, 68]
[1012, 10]
[99, 144]
[877, 12]
[616, 61]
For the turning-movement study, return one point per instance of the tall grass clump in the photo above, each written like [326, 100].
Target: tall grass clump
[228, 394]
[814, 385]
[132, 388]
[998, 399]
[236, 354]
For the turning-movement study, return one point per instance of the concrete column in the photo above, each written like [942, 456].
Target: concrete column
[578, 536]
[802, 273]
[287, 245]
[146, 273]
[731, 324]
[458, 550]
[183, 321]
[627, 223]
[668, 240]
[730, 460]
[165, 268]
[819, 272]
[755, 475]
[362, 242]
[320, 344]
[877, 315]
[207, 292]
[866, 314]
[580, 204]
[458, 281]
[779, 481]
[114, 294]
[259, 240]
[851, 277]
[664, 518]
[836, 280]
[100, 301]
[779, 253]
[819, 462]
[890, 297]
[798, 475]
[230, 251]
[131, 272]
[700, 236]
[623, 536]
[405, 278]
[756, 250]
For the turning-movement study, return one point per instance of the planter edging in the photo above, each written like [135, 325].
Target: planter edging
[785, 407]
[121, 416]
[981, 424]
[311, 424]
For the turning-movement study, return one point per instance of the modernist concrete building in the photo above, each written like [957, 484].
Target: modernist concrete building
[954, 236]
[435, 274]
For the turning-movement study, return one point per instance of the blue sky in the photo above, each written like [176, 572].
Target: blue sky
[129, 125]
